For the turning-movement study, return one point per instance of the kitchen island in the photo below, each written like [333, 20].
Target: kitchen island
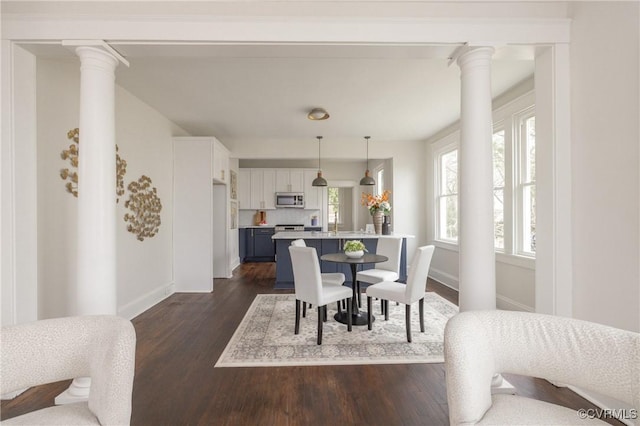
[329, 242]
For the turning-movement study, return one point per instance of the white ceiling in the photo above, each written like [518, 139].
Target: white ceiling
[263, 92]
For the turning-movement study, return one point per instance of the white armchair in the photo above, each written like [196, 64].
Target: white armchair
[101, 347]
[479, 344]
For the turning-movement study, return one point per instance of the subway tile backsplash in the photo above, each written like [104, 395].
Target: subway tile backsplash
[280, 217]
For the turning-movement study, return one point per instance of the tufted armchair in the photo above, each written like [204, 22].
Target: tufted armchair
[101, 347]
[479, 344]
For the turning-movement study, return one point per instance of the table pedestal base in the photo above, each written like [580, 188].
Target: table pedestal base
[359, 318]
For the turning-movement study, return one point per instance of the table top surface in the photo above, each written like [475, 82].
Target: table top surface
[343, 258]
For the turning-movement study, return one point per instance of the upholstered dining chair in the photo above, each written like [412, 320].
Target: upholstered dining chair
[589, 356]
[101, 347]
[407, 294]
[328, 278]
[384, 271]
[308, 287]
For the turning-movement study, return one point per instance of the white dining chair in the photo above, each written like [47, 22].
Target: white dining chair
[409, 293]
[309, 289]
[328, 278]
[384, 271]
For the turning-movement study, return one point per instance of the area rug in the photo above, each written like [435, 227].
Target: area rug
[265, 337]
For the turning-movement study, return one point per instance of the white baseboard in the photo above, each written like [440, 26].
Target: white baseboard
[234, 264]
[502, 302]
[507, 304]
[444, 278]
[146, 301]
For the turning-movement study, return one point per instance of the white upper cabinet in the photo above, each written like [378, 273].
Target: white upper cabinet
[289, 180]
[220, 169]
[312, 194]
[263, 189]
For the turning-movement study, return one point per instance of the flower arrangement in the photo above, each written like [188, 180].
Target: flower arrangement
[354, 245]
[376, 203]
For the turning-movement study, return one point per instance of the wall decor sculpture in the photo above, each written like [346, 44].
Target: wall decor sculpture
[71, 175]
[145, 206]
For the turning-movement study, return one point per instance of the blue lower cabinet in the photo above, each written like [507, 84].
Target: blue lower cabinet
[259, 246]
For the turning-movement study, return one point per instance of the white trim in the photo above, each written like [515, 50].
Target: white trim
[146, 301]
[516, 260]
[284, 29]
[508, 304]
[444, 278]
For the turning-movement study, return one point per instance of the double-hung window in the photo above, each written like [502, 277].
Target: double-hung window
[447, 194]
[514, 181]
[526, 182]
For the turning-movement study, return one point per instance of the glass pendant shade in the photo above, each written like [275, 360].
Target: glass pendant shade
[319, 181]
[367, 180]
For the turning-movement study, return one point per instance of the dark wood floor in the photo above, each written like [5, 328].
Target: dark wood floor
[180, 340]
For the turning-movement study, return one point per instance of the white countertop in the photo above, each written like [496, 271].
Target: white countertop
[344, 235]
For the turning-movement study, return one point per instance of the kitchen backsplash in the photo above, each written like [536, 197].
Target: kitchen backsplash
[281, 217]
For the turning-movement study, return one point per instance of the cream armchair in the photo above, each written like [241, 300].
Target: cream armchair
[100, 347]
[479, 344]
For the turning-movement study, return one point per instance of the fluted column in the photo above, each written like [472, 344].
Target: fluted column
[477, 285]
[96, 262]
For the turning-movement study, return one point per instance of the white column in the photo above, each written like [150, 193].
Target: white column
[477, 286]
[96, 263]
[96, 268]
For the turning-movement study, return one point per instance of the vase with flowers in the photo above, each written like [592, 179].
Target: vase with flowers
[378, 206]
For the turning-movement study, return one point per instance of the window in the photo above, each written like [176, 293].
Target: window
[498, 188]
[447, 197]
[526, 185]
[514, 181]
[379, 181]
[333, 195]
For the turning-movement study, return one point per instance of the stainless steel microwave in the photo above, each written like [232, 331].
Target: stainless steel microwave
[290, 200]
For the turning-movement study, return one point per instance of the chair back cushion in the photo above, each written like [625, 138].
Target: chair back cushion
[298, 243]
[417, 280]
[590, 356]
[307, 279]
[390, 247]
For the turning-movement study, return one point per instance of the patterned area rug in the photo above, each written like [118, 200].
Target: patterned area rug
[265, 336]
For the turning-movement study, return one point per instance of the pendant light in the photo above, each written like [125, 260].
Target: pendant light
[367, 180]
[319, 181]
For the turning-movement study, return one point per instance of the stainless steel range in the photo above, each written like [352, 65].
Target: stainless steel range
[289, 228]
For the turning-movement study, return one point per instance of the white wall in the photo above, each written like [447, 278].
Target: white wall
[144, 268]
[605, 163]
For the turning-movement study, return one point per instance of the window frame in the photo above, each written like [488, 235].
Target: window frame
[520, 181]
[444, 147]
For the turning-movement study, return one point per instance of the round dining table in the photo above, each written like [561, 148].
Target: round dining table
[358, 317]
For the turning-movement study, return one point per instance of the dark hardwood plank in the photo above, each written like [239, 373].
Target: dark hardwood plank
[181, 338]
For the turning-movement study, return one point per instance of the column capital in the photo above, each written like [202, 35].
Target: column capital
[464, 55]
[96, 48]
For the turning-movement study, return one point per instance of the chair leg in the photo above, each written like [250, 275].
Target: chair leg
[421, 307]
[408, 321]
[320, 321]
[324, 313]
[381, 306]
[369, 312]
[386, 310]
[349, 318]
[304, 309]
[297, 327]
[339, 306]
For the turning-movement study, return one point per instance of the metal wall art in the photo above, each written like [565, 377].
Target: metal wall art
[71, 175]
[145, 206]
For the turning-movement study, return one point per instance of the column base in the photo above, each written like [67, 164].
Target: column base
[78, 391]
